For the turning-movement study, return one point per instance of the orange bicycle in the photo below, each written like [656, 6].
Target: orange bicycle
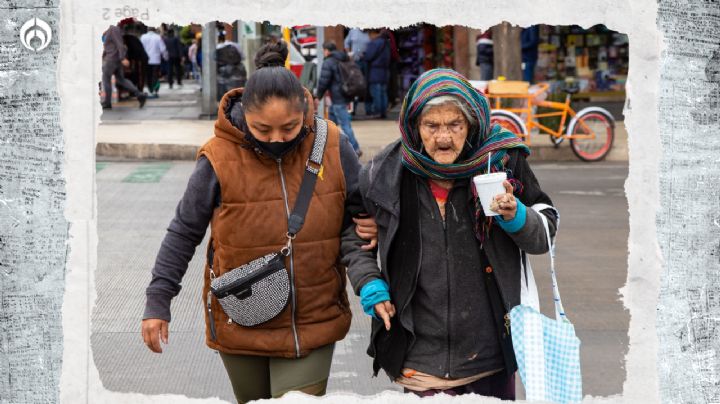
[591, 130]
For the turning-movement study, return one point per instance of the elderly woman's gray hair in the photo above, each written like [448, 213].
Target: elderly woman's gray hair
[449, 99]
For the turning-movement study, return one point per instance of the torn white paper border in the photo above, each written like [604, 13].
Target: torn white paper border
[82, 21]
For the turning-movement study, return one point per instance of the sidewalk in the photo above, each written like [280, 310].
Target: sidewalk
[168, 129]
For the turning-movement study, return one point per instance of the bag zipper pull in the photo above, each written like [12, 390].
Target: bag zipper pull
[507, 323]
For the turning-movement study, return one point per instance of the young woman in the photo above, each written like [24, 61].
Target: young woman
[244, 186]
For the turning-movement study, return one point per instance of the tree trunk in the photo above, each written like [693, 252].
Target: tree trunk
[335, 34]
[461, 62]
[506, 51]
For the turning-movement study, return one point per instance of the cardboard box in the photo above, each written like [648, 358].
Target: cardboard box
[508, 87]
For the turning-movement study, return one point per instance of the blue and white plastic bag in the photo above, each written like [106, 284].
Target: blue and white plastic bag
[547, 350]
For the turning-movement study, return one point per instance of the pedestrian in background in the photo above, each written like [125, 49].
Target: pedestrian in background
[242, 187]
[135, 53]
[393, 84]
[530, 38]
[199, 51]
[485, 55]
[156, 51]
[444, 275]
[231, 72]
[193, 57]
[355, 44]
[331, 80]
[114, 59]
[377, 56]
[187, 64]
[175, 58]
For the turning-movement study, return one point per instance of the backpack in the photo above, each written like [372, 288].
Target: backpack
[352, 81]
[228, 55]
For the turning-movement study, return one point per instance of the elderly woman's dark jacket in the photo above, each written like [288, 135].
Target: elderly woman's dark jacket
[381, 186]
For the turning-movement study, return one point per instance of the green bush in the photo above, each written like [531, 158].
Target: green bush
[186, 35]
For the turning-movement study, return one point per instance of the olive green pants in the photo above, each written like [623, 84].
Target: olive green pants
[258, 377]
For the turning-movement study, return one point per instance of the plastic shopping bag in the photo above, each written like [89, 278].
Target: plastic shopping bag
[547, 350]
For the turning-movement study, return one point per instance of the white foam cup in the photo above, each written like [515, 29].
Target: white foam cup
[488, 186]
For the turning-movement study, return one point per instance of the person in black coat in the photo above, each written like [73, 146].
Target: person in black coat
[175, 56]
[138, 59]
[485, 55]
[377, 56]
[331, 80]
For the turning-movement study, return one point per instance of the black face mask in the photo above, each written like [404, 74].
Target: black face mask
[276, 149]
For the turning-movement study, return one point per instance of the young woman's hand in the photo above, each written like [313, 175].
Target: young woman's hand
[385, 310]
[153, 331]
[505, 204]
[366, 229]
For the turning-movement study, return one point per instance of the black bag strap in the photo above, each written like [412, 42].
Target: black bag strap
[312, 169]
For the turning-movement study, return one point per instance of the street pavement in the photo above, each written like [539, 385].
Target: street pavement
[136, 201]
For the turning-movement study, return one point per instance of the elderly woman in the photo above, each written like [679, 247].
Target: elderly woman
[446, 275]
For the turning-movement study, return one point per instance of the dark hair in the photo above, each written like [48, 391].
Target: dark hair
[330, 46]
[221, 37]
[272, 79]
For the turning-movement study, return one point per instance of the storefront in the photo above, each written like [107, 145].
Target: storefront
[596, 57]
[422, 47]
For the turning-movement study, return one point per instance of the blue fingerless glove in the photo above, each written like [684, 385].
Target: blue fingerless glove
[372, 293]
[515, 224]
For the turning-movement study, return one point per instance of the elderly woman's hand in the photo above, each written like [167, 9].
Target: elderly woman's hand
[505, 204]
[385, 310]
[366, 229]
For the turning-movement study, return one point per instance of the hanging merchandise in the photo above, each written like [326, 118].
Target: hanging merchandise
[412, 55]
[597, 57]
[444, 47]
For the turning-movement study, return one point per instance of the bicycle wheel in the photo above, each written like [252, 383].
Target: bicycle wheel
[509, 121]
[592, 120]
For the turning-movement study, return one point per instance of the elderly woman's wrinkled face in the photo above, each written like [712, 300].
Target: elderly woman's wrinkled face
[443, 130]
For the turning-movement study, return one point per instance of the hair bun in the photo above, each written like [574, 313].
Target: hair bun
[271, 55]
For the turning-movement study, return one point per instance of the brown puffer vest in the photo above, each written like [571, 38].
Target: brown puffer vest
[252, 221]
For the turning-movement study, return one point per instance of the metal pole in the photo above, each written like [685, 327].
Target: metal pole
[249, 44]
[320, 35]
[209, 76]
[237, 29]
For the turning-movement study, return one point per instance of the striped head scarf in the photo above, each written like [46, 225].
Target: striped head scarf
[482, 139]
